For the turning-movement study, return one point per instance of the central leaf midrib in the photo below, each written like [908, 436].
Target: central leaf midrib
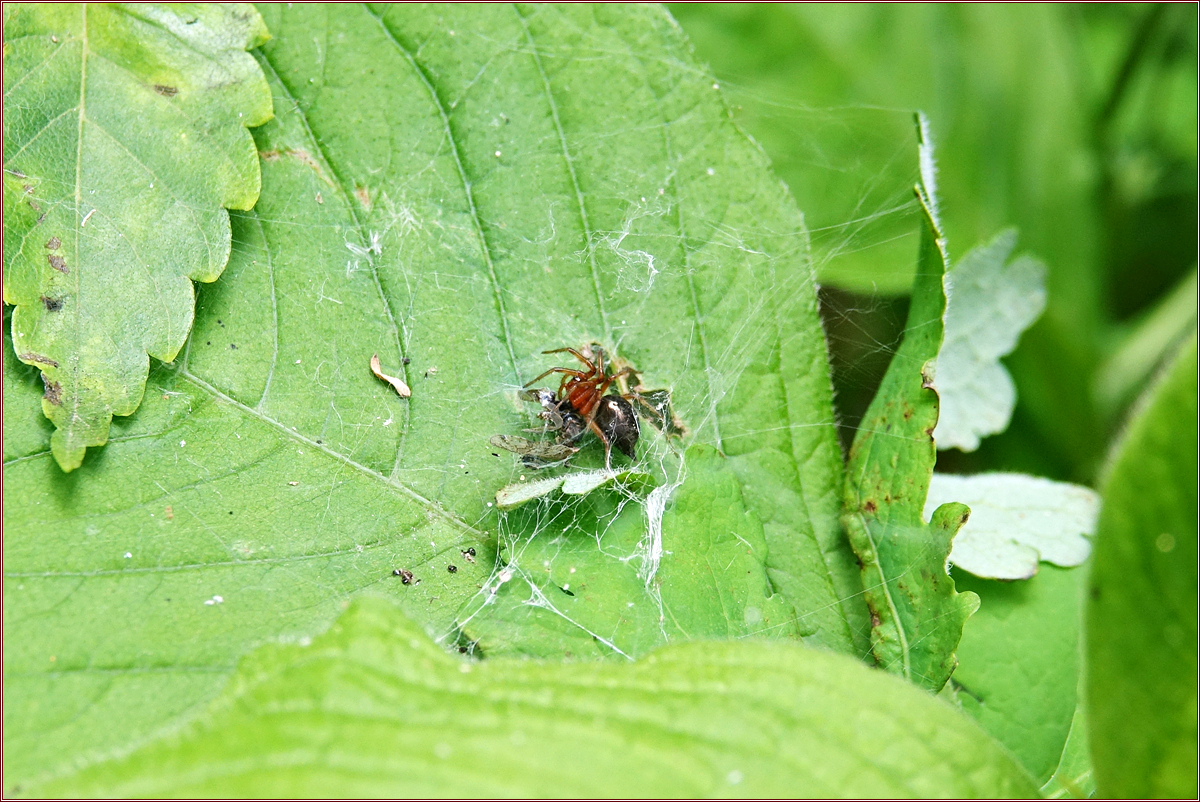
[77, 306]
[588, 244]
[455, 151]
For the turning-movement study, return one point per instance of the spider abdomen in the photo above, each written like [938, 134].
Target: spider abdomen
[616, 418]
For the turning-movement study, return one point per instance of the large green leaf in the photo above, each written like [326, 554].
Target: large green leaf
[1141, 620]
[124, 142]
[916, 615]
[373, 708]
[1019, 662]
[455, 189]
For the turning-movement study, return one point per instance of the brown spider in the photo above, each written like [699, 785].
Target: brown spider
[581, 404]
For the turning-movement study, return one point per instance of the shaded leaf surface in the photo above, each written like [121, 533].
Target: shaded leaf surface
[990, 300]
[917, 616]
[456, 190]
[373, 708]
[1019, 662]
[1015, 521]
[693, 569]
[125, 141]
[1141, 622]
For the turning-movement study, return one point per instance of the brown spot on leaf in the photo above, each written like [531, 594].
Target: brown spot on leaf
[53, 392]
[306, 157]
[39, 359]
[53, 244]
[269, 155]
[166, 91]
[875, 620]
[28, 189]
[869, 506]
[52, 304]
[907, 413]
[58, 263]
[364, 197]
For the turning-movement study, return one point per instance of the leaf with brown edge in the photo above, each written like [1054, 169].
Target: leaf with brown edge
[916, 615]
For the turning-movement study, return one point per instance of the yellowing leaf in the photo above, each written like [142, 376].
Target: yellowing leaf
[124, 142]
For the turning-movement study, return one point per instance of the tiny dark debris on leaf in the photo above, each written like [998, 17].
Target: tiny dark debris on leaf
[452, 569]
[53, 392]
[52, 304]
[469, 555]
[405, 576]
[166, 91]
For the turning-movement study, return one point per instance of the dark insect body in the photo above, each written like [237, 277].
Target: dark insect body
[583, 404]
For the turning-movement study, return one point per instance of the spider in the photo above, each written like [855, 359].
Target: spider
[581, 404]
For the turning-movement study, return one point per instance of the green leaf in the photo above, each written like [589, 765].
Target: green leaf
[1141, 620]
[1019, 662]
[788, 69]
[373, 708]
[1143, 349]
[687, 563]
[990, 300]
[1074, 776]
[917, 616]
[1016, 520]
[270, 468]
[125, 139]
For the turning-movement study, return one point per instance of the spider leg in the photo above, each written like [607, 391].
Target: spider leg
[591, 422]
[655, 411]
[576, 373]
[573, 353]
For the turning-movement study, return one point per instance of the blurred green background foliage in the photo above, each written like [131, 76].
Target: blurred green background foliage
[1074, 123]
